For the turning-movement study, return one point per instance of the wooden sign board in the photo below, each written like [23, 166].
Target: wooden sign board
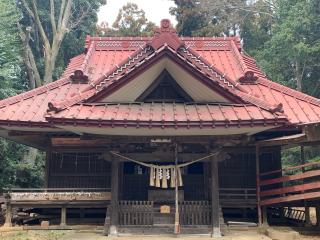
[164, 209]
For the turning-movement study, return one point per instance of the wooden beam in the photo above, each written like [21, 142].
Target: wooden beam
[298, 176]
[318, 215]
[114, 196]
[306, 208]
[258, 185]
[215, 199]
[47, 169]
[296, 197]
[312, 132]
[77, 141]
[285, 140]
[297, 188]
[176, 217]
[8, 220]
[63, 221]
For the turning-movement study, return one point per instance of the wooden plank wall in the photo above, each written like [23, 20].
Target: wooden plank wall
[78, 170]
[239, 171]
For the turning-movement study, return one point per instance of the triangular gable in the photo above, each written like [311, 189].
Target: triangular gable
[164, 89]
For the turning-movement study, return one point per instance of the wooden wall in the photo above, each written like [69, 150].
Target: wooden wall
[90, 170]
[78, 170]
[240, 169]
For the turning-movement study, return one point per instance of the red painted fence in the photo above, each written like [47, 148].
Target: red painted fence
[290, 184]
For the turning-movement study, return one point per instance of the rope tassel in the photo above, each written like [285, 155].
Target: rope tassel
[164, 178]
[158, 177]
[152, 176]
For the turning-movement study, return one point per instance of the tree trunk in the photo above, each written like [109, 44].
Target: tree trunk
[30, 155]
[298, 76]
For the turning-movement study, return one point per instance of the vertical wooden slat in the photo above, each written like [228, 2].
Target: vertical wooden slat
[215, 199]
[114, 195]
[258, 185]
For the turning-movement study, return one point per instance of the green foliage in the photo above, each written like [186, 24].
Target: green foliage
[83, 22]
[191, 18]
[12, 78]
[131, 21]
[14, 172]
[293, 51]
[12, 81]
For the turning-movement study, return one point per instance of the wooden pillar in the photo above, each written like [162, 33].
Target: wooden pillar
[306, 207]
[114, 196]
[258, 185]
[176, 217]
[47, 169]
[63, 221]
[215, 199]
[264, 216]
[8, 221]
[318, 216]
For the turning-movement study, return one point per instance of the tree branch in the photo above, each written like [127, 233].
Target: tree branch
[26, 6]
[39, 24]
[62, 7]
[52, 18]
[66, 16]
[28, 58]
[84, 13]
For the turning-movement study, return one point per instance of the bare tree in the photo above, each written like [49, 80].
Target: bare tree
[61, 24]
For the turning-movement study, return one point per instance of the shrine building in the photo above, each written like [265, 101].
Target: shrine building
[164, 134]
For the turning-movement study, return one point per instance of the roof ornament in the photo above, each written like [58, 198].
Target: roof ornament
[165, 35]
[277, 108]
[248, 77]
[79, 77]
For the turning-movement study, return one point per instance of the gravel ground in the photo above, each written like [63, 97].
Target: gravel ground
[74, 235]
[251, 234]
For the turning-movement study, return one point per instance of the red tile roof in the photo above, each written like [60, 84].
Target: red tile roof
[167, 115]
[219, 60]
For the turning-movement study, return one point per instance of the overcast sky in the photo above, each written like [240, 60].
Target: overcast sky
[155, 10]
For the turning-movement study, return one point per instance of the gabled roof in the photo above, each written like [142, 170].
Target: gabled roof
[165, 43]
[110, 62]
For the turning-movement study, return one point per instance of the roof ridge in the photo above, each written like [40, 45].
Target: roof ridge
[249, 75]
[202, 61]
[291, 92]
[31, 93]
[80, 73]
[92, 88]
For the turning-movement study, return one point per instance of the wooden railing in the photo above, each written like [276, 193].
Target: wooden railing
[290, 184]
[48, 195]
[295, 214]
[195, 213]
[135, 213]
[238, 197]
[58, 190]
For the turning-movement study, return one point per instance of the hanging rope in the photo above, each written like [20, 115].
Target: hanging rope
[149, 165]
[160, 175]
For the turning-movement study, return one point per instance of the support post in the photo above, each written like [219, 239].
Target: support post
[47, 169]
[264, 216]
[8, 221]
[258, 185]
[306, 207]
[215, 200]
[176, 217]
[114, 196]
[63, 221]
[318, 216]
